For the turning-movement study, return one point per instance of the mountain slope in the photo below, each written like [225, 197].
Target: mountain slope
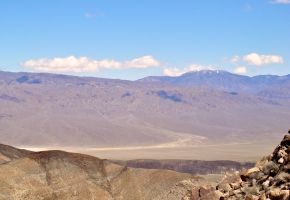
[56, 111]
[62, 175]
[223, 80]
[8, 153]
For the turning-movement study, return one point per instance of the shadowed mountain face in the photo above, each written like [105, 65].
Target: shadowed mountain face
[194, 167]
[62, 175]
[8, 153]
[202, 108]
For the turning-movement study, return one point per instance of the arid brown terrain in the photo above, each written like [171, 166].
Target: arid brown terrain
[61, 175]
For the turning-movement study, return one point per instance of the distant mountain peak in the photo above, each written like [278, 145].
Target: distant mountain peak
[210, 71]
[207, 72]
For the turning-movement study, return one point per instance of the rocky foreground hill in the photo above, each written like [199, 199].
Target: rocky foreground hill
[52, 175]
[268, 180]
[61, 175]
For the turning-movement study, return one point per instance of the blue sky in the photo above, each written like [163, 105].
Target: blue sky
[130, 39]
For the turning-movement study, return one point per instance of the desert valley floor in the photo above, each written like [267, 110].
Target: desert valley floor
[238, 152]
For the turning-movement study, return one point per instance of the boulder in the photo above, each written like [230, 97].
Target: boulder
[246, 175]
[277, 194]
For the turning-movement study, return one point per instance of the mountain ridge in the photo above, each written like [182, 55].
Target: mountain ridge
[92, 113]
[222, 80]
[64, 175]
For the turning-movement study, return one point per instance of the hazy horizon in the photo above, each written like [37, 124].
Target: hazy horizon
[88, 76]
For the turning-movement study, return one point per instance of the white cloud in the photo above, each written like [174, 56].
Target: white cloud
[173, 71]
[259, 60]
[281, 1]
[191, 68]
[235, 59]
[84, 64]
[142, 62]
[240, 70]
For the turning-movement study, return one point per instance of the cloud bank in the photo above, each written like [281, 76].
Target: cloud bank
[84, 64]
[259, 60]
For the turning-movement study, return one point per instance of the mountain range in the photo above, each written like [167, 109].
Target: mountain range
[197, 109]
[263, 85]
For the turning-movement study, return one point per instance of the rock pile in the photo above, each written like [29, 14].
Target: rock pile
[269, 179]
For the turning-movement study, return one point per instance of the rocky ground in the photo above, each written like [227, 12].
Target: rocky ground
[268, 180]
